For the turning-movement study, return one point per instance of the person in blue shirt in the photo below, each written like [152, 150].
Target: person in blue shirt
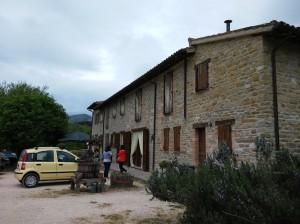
[107, 158]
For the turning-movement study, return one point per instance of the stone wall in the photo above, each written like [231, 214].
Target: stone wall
[240, 88]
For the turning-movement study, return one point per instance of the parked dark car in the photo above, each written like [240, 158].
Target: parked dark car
[9, 157]
[4, 160]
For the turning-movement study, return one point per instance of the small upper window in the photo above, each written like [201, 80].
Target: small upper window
[201, 75]
[122, 106]
[138, 104]
[97, 117]
[101, 116]
[114, 110]
[107, 118]
[168, 93]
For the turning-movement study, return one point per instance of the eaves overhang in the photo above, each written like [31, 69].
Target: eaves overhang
[151, 74]
[94, 105]
[274, 28]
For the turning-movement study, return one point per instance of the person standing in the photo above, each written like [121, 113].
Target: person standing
[121, 159]
[107, 158]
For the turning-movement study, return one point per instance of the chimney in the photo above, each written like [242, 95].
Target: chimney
[228, 21]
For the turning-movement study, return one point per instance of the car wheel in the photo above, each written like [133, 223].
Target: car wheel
[30, 180]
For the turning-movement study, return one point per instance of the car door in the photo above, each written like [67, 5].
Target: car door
[66, 165]
[44, 165]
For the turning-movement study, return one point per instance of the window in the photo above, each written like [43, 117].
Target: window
[168, 93]
[107, 118]
[101, 116]
[97, 117]
[224, 132]
[138, 104]
[114, 110]
[201, 75]
[177, 138]
[166, 139]
[122, 106]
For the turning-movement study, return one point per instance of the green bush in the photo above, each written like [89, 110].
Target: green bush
[71, 146]
[221, 192]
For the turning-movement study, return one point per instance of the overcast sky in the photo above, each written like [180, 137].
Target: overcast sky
[87, 50]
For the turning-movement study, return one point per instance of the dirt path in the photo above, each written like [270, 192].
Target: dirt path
[56, 203]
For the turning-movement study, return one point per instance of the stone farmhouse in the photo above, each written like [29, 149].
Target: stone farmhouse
[231, 87]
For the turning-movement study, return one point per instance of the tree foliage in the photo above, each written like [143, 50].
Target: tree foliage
[29, 117]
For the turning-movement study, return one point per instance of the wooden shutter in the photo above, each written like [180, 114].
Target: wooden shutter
[127, 146]
[168, 93]
[117, 141]
[138, 105]
[201, 71]
[166, 139]
[224, 134]
[202, 145]
[145, 150]
[177, 139]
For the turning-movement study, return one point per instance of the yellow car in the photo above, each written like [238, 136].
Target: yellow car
[45, 163]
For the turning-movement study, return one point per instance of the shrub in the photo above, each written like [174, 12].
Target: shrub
[219, 192]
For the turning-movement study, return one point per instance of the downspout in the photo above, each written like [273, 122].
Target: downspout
[275, 100]
[184, 86]
[103, 131]
[91, 136]
[154, 124]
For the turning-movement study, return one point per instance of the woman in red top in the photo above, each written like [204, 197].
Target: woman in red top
[122, 158]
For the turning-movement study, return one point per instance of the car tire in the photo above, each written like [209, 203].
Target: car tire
[30, 180]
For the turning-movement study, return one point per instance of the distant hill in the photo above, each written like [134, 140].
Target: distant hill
[80, 118]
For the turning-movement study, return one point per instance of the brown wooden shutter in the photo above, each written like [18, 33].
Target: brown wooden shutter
[224, 134]
[203, 76]
[145, 150]
[177, 139]
[117, 141]
[168, 93]
[166, 139]
[202, 145]
[127, 146]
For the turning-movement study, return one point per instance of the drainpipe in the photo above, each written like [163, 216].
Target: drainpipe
[103, 120]
[154, 124]
[184, 86]
[275, 100]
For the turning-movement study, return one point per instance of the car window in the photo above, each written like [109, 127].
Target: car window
[31, 157]
[45, 156]
[65, 157]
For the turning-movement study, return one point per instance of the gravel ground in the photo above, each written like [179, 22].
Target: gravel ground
[56, 203]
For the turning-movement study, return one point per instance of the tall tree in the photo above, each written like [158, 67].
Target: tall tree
[29, 117]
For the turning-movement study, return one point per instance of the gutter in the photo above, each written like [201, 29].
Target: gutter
[184, 86]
